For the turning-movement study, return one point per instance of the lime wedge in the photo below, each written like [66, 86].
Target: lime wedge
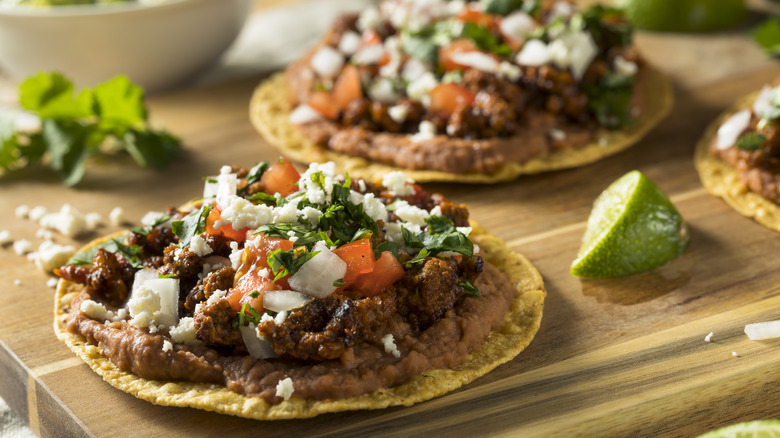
[632, 228]
[683, 15]
[749, 429]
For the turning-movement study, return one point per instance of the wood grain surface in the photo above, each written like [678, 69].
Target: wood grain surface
[623, 357]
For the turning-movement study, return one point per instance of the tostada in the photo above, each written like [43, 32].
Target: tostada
[279, 295]
[478, 91]
[738, 157]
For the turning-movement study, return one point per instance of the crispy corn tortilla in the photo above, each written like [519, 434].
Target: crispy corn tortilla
[519, 327]
[722, 180]
[269, 112]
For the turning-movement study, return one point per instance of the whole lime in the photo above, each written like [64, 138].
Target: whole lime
[683, 15]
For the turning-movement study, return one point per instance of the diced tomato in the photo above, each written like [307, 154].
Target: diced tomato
[448, 97]
[281, 178]
[477, 17]
[359, 257]
[456, 46]
[258, 255]
[370, 37]
[224, 230]
[347, 87]
[323, 103]
[250, 282]
[387, 270]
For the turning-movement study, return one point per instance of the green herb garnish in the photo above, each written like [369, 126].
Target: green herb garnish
[192, 225]
[751, 141]
[469, 288]
[131, 253]
[441, 236]
[288, 262]
[77, 126]
[149, 228]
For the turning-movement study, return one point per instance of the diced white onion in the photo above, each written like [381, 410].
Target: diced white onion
[227, 182]
[732, 128]
[575, 50]
[283, 300]
[369, 54]
[316, 276]
[764, 100]
[327, 61]
[258, 347]
[210, 188]
[168, 291]
[763, 330]
[533, 53]
[478, 60]
[304, 114]
[517, 25]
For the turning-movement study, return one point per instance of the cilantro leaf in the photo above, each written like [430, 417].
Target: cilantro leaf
[442, 236]
[486, 40]
[751, 141]
[192, 225]
[256, 172]
[131, 253]
[469, 288]
[75, 125]
[609, 99]
[502, 7]
[420, 257]
[148, 229]
[387, 245]
[288, 262]
[767, 35]
[420, 46]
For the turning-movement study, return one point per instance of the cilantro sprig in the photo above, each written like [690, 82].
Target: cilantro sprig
[441, 236]
[192, 224]
[75, 126]
[131, 253]
[751, 141]
[288, 262]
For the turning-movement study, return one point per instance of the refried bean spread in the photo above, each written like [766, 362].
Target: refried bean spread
[463, 86]
[749, 142]
[280, 285]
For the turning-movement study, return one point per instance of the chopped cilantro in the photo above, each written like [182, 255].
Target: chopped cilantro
[131, 253]
[254, 175]
[288, 262]
[608, 26]
[502, 7]
[386, 246]
[610, 98]
[192, 225]
[338, 283]
[420, 46]
[469, 288]
[76, 126]
[442, 236]
[167, 276]
[245, 315]
[486, 40]
[420, 257]
[751, 141]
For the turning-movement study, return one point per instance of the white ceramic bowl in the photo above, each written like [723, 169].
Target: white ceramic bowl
[157, 46]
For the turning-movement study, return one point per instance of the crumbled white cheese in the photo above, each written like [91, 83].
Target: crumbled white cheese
[117, 216]
[310, 214]
[763, 330]
[280, 317]
[327, 61]
[397, 183]
[36, 213]
[5, 237]
[398, 113]
[51, 256]
[413, 69]
[557, 134]
[235, 255]
[17, 282]
[68, 221]
[93, 220]
[374, 207]
[420, 88]
[574, 50]
[509, 71]
[388, 341]
[44, 234]
[304, 114]
[349, 43]
[184, 332]
[411, 213]
[22, 246]
[241, 213]
[288, 213]
[708, 338]
[427, 131]
[285, 388]
[369, 18]
[52, 282]
[151, 217]
[735, 354]
[199, 246]
[22, 211]
[518, 25]
[383, 90]
[534, 53]
[624, 67]
[167, 346]
[96, 311]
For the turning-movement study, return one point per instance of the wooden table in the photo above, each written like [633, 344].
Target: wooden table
[622, 357]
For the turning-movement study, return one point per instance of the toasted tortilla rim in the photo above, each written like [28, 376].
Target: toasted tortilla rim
[723, 181]
[502, 345]
[269, 113]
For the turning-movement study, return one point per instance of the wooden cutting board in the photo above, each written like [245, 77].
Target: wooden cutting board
[622, 357]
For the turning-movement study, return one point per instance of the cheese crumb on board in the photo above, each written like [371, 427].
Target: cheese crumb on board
[285, 388]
